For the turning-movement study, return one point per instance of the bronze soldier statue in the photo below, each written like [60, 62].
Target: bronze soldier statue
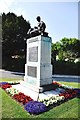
[39, 30]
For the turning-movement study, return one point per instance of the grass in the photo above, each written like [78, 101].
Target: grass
[10, 79]
[12, 109]
[65, 110]
[68, 109]
[73, 84]
[15, 109]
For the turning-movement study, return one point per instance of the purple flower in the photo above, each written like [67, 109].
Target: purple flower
[78, 90]
[3, 83]
[35, 107]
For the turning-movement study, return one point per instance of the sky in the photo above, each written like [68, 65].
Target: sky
[60, 17]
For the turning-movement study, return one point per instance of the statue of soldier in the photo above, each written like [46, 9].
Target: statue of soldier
[40, 29]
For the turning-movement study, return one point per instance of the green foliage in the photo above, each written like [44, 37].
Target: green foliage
[66, 68]
[66, 50]
[14, 31]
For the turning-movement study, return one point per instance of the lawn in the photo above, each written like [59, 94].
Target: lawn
[73, 84]
[10, 79]
[13, 109]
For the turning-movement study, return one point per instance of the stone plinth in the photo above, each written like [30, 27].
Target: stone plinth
[38, 69]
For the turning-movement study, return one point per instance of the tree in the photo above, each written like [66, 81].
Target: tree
[56, 47]
[14, 30]
[66, 49]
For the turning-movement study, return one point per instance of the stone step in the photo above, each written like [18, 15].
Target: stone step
[34, 95]
[31, 87]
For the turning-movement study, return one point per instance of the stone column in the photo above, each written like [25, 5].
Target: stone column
[38, 69]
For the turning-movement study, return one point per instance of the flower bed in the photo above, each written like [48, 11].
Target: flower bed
[42, 105]
[77, 90]
[66, 87]
[20, 97]
[35, 107]
[12, 91]
[52, 100]
[5, 86]
[61, 85]
[14, 82]
[3, 83]
[69, 94]
[56, 85]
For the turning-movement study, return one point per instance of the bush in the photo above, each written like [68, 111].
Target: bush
[66, 68]
[17, 65]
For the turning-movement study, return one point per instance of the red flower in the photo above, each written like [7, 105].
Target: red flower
[69, 94]
[20, 97]
[56, 83]
[5, 86]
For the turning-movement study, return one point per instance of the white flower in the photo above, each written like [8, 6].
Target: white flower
[76, 60]
[54, 101]
[66, 59]
[60, 98]
[12, 91]
[48, 103]
[57, 58]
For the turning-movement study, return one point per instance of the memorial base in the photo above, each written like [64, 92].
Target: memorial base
[35, 91]
[38, 68]
[31, 87]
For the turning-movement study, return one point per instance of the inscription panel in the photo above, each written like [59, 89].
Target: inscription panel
[33, 54]
[32, 71]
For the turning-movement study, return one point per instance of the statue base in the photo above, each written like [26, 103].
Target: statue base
[38, 69]
[34, 34]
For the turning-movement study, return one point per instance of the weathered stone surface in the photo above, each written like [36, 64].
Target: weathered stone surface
[33, 54]
[32, 71]
[38, 69]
